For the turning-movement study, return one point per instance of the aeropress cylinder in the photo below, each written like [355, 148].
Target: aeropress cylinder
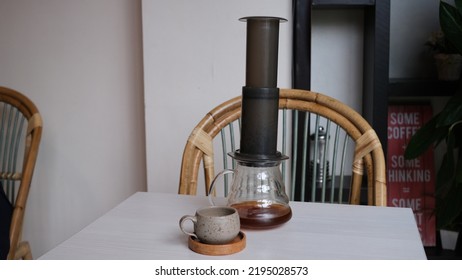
[260, 96]
[258, 191]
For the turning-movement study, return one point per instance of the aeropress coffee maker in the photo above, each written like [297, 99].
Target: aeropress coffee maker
[258, 190]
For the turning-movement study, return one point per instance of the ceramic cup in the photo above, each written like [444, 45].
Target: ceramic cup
[213, 224]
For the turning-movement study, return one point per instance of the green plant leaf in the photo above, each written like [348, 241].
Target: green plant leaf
[458, 134]
[458, 170]
[458, 5]
[445, 175]
[449, 208]
[449, 188]
[421, 141]
[451, 113]
[451, 25]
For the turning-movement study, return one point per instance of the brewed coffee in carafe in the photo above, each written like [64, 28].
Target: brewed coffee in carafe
[259, 197]
[258, 194]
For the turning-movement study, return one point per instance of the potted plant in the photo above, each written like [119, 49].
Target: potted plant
[448, 58]
[446, 127]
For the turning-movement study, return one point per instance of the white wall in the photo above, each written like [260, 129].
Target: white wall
[411, 23]
[194, 59]
[81, 63]
[337, 54]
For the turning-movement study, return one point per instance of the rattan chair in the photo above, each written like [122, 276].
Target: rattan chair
[321, 111]
[20, 133]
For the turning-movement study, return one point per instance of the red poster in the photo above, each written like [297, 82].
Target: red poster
[411, 183]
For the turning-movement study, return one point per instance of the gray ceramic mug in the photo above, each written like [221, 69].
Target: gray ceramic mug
[213, 224]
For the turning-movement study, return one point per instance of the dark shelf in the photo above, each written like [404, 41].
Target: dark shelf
[421, 88]
[375, 54]
[434, 253]
[342, 3]
[438, 253]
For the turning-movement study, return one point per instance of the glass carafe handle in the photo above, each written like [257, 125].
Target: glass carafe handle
[212, 185]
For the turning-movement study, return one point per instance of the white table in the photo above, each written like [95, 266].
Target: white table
[145, 226]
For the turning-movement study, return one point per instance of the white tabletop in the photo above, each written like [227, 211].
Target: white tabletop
[145, 226]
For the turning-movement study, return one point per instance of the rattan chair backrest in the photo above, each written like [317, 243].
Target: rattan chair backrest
[20, 134]
[347, 133]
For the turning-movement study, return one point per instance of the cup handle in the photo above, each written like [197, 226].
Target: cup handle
[212, 185]
[184, 219]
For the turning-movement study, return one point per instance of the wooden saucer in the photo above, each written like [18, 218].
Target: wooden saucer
[237, 245]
